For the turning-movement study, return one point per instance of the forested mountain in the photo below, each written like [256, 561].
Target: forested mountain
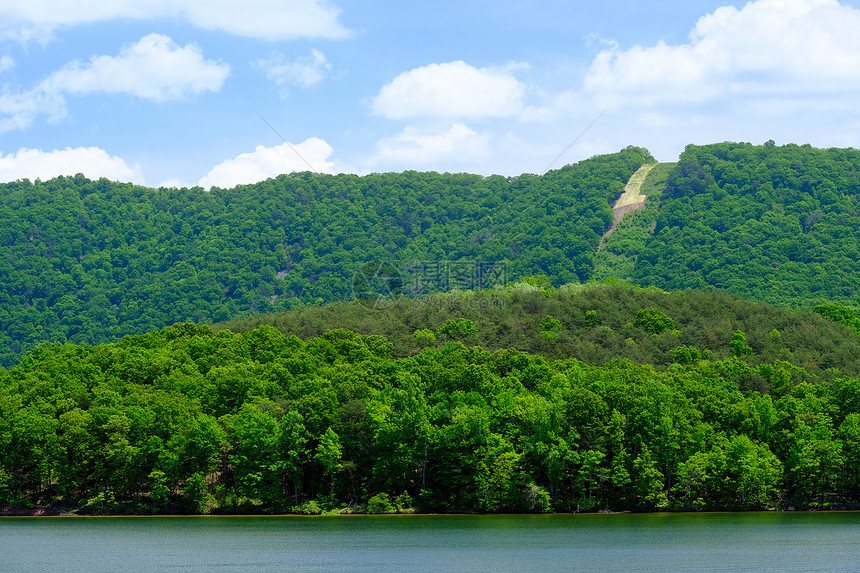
[91, 261]
[596, 324]
[551, 393]
[192, 420]
[774, 223]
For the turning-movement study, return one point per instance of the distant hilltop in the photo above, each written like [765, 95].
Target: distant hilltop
[92, 261]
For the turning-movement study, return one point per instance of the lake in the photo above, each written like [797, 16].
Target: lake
[625, 542]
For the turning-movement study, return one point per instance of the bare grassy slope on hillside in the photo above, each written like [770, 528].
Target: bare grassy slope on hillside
[631, 200]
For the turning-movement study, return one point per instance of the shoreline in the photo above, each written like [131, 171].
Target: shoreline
[53, 512]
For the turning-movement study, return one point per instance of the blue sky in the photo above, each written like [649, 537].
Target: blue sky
[183, 92]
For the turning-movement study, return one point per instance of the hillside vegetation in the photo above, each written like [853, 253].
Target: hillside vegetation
[596, 324]
[546, 391]
[774, 223]
[91, 261]
[192, 420]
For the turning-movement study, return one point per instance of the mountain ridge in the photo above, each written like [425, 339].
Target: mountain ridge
[92, 261]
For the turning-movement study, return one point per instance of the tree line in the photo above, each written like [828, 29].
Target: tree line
[91, 261]
[774, 223]
[192, 420]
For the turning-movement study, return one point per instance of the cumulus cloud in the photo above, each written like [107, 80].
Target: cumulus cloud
[303, 72]
[265, 19]
[154, 68]
[451, 90]
[456, 142]
[91, 161]
[784, 48]
[266, 162]
[17, 111]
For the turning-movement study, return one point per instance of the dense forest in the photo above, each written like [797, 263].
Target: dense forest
[192, 420]
[596, 324]
[91, 261]
[774, 223]
[245, 350]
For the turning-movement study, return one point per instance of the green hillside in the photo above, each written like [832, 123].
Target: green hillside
[774, 223]
[196, 421]
[594, 323]
[91, 261]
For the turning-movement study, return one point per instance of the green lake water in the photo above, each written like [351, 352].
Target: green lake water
[626, 542]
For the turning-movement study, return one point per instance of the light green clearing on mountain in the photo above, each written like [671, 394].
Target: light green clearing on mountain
[631, 200]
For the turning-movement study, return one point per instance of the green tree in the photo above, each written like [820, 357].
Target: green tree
[814, 463]
[328, 455]
[457, 329]
[653, 321]
[292, 438]
[648, 480]
[739, 344]
[257, 457]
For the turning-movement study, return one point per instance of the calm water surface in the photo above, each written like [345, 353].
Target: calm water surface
[651, 542]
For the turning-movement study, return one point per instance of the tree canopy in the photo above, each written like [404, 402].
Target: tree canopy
[192, 420]
[773, 223]
[92, 261]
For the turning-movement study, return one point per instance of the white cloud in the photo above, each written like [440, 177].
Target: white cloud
[6, 63]
[91, 161]
[266, 162]
[154, 68]
[303, 72]
[265, 19]
[784, 48]
[17, 111]
[457, 143]
[23, 33]
[453, 90]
